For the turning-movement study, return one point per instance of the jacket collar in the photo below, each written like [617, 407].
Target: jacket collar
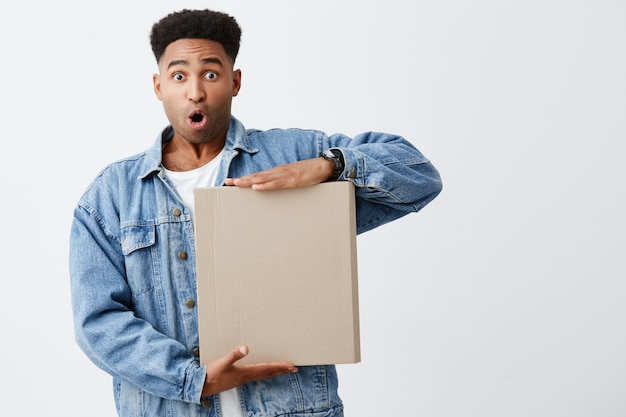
[236, 139]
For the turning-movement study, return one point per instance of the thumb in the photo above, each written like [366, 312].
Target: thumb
[239, 352]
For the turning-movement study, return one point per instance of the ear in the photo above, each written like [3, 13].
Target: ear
[156, 83]
[236, 82]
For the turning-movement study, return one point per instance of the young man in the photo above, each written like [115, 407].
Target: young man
[132, 261]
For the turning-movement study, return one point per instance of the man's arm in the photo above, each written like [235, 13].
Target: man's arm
[391, 176]
[128, 347]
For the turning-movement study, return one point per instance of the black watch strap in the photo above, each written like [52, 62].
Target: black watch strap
[335, 156]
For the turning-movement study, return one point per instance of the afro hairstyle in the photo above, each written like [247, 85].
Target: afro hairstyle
[196, 24]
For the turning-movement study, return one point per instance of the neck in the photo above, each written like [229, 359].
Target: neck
[181, 155]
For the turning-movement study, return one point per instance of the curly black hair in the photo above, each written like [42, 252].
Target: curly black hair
[196, 24]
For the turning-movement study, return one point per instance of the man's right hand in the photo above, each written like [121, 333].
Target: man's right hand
[223, 373]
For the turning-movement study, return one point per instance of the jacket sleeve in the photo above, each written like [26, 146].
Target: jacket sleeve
[392, 178]
[107, 330]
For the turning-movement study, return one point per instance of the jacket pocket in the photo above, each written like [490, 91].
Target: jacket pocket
[140, 255]
[137, 237]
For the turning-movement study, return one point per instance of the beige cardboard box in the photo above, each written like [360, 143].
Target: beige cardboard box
[277, 271]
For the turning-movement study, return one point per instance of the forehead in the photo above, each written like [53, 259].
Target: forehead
[193, 51]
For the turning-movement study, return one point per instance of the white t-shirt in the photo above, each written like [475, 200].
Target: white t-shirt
[185, 182]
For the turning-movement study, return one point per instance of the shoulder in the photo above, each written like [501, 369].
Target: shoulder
[285, 134]
[114, 176]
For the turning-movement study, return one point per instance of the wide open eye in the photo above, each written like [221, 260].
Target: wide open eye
[178, 76]
[210, 75]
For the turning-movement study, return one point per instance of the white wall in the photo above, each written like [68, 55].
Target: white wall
[504, 297]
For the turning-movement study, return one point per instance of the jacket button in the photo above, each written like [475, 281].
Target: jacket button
[196, 352]
[352, 174]
[206, 403]
[190, 303]
[182, 255]
[176, 212]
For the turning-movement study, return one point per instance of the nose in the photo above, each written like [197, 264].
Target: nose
[195, 91]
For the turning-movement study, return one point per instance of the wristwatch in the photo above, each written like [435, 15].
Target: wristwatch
[335, 156]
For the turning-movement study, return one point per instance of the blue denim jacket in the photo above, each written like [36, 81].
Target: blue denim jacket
[132, 268]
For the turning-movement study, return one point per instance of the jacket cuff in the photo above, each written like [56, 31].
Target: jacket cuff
[194, 383]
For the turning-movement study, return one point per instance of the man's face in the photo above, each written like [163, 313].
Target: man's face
[196, 84]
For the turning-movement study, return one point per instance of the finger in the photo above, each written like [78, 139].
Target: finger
[246, 181]
[270, 185]
[261, 368]
[239, 352]
[233, 356]
[268, 370]
[262, 183]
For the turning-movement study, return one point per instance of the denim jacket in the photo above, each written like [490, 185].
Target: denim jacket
[132, 268]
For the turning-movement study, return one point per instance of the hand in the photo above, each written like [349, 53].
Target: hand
[223, 373]
[296, 174]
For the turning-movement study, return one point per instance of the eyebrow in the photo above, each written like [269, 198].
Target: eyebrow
[211, 60]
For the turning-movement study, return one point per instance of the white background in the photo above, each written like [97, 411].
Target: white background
[504, 297]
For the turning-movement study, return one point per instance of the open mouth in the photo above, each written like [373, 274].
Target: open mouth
[197, 119]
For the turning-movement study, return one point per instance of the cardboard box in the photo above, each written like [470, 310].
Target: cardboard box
[277, 271]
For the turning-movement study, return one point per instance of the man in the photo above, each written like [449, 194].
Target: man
[132, 261]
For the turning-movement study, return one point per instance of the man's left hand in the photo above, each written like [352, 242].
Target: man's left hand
[293, 175]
